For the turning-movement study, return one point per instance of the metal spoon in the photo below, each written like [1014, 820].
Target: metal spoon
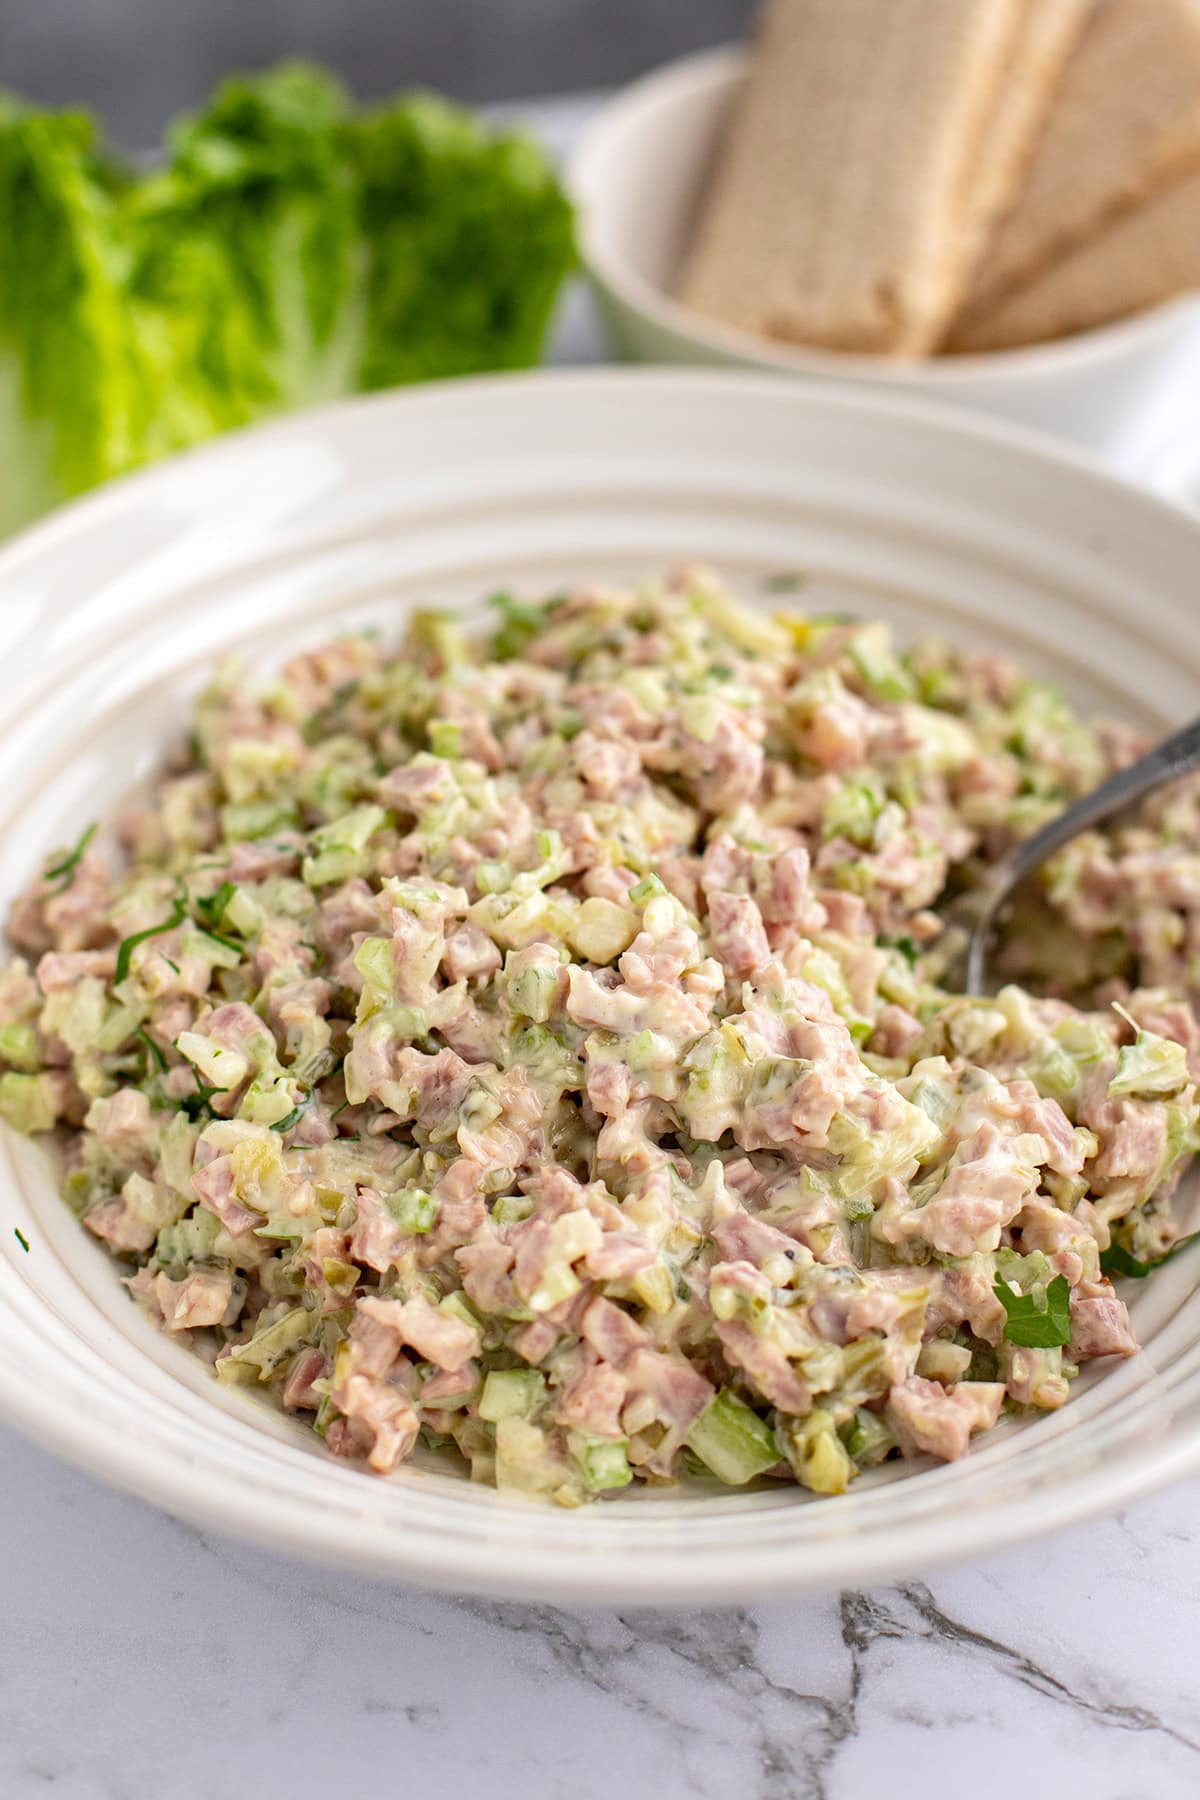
[960, 954]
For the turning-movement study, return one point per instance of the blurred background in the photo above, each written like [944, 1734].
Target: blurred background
[137, 62]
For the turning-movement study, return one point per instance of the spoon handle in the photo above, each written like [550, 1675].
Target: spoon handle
[1176, 756]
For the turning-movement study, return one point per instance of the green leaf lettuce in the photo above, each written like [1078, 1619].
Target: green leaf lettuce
[283, 253]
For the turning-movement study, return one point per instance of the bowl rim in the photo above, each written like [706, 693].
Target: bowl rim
[718, 69]
[157, 1472]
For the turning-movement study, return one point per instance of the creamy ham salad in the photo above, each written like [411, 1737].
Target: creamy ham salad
[524, 1043]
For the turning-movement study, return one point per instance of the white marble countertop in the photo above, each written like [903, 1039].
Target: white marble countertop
[142, 1660]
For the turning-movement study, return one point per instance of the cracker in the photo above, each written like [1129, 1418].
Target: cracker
[1047, 33]
[835, 216]
[1126, 122]
[1146, 256]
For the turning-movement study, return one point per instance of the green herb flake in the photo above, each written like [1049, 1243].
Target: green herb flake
[1040, 1320]
[294, 1117]
[1116, 1260]
[209, 909]
[196, 1105]
[523, 620]
[62, 873]
[226, 943]
[22, 1240]
[128, 945]
[155, 1057]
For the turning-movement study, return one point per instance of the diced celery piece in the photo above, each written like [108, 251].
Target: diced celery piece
[852, 813]
[942, 1360]
[255, 819]
[827, 1469]
[1084, 1040]
[176, 1150]
[119, 1025]
[478, 1109]
[442, 633]
[342, 1277]
[1152, 1065]
[524, 1459]
[220, 1067]
[243, 913]
[445, 738]
[935, 1101]
[216, 954]
[457, 1306]
[331, 866]
[280, 1231]
[1053, 1072]
[648, 1051]
[492, 877]
[352, 831]
[732, 1440]
[511, 1394]
[511, 1209]
[253, 768]
[18, 1047]
[85, 1006]
[558, 1282]
[412, 1208]
[273, 1343]
[817, 1454]
[654, 1288]
[188, 1240]
[532, 993]
[260, 1179]
[603, 1464]
[375, 960]
[26, 1102]
[870, 650]
[340, 846]
[269, 1102]
[650, 887]
[231, 1371]
[868, 1438]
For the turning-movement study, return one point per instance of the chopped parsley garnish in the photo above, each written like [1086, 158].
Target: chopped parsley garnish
[62, 872]
[523, 621]
[323, 723]
[226, 942]
[155, 1056]
[906, 947]
[1116, 1260]
[22, 1240]
[196, 1105]
[295, 1116]
[1037, 1321]
[129, 945]
[209, 909]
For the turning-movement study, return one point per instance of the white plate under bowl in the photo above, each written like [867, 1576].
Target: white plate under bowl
[108, 615]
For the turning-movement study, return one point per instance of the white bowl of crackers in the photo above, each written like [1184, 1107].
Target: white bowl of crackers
[991, 202]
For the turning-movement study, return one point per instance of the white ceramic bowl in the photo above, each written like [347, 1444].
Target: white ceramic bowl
[109, 615]
[637, 176]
